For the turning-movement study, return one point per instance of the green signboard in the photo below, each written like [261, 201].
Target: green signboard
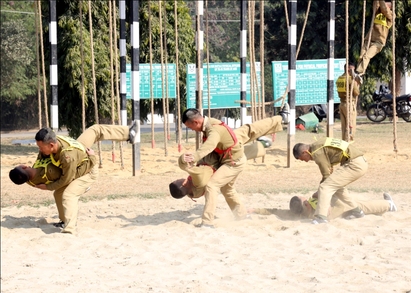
[225, 85]
[169, 81]
[311, 80]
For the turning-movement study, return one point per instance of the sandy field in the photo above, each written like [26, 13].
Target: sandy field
[134, 237]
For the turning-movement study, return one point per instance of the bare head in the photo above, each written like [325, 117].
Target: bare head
[20, 174]
[301, 151]
[180, 188]
[46, 140]
[193, 119]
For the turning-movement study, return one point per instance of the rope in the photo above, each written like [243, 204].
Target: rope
[113, 144]
[208, 65]
[262, 56]
[178, 125]
[162, 75]
[282, 98]
[93, 71]
[394, 89]
[116, 72]
[83, 109]
[166, 73]
[36, 12]
[348, 96]
[46, 111]
[153, 142]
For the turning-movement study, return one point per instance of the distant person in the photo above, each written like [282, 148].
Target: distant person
[326, 153]
[77, 163]
[348, 116]
[378, 34]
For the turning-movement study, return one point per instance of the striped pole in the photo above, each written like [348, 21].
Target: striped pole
[135, 78]
[330, 67]
[123, 88]
[243, 60]
[54, 113]
[199, 61]
[292, 41]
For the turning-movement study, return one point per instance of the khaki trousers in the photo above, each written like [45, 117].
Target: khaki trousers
[336, 184]
[376, 207]
[344, 119]
[68, 196]
[367, 55]
[223, 180]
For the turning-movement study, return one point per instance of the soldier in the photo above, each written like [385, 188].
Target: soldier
[68, 166]
[342, 89]
[326, 153]
[203, 172]
[377, 35]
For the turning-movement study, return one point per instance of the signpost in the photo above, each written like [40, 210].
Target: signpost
[224, 85]
[311, 80]
[169, 79]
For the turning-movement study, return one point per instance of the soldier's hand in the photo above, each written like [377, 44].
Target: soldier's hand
[188, 158]
[90, 152]
[41, 186]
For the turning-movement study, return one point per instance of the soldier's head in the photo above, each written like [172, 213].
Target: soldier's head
[46, 140]
[351, 66]
[300, 206]
[20, 174]
[193, 119]
[301, 151]
[180, 188]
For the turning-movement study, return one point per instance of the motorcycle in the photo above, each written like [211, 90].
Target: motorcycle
[382, 106]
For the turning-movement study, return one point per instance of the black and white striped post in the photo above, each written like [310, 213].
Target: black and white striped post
[54, 112]
[243, 60]
[123, 87]
[330, 68]
[135, 78]
[199, 61]
[292, 41]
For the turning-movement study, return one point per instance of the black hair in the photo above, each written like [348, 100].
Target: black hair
[190, 114]
[46, 135]
[18, 176]
[296, 205]
[298, 149]
[176, 191]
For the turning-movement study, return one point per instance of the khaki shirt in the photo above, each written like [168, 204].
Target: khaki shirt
[219, 137]
[382, 25]
[342, 88]
[74, 163]
[45, 174]
[327, 156]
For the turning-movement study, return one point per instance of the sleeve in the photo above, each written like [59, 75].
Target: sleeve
[208, 146]
[323, 163]
[356, 89]
[68, 167]
[385, 10]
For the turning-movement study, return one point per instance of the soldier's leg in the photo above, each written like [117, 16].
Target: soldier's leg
[353, 124]
[71, 197]
[225, 175]
[343, 118]
[366, 56]
[99, 132]
[376, 207]
[58, 197]
[250, 132]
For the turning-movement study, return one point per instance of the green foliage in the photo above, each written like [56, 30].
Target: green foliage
[18, 75]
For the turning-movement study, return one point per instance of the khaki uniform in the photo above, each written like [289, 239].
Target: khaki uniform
[78, 170]
[327, 153]
[208, 176]
[379, 34]
[342, 94]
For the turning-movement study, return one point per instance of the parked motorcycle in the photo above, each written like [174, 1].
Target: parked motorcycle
[382, 106]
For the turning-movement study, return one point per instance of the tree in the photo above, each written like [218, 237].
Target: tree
[18, 76]
[69, 61]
